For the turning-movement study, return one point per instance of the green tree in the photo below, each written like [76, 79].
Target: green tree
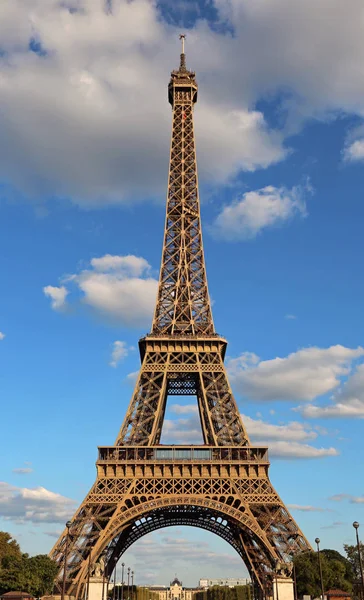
[353, 557]
[18, 571]
[336, 572]
[40, 573]
[8, 546]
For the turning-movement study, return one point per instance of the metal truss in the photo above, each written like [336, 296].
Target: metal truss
[226, 491]
[221, 486]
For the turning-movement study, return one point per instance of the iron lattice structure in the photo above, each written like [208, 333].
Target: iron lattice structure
[221, 486]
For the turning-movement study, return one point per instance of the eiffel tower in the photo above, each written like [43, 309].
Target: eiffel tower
[221, 485]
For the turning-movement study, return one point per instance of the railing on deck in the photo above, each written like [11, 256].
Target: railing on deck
[229, 454]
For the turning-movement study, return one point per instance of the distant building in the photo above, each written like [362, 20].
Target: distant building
[337, 595]
[229, 582]
[16, 596]
[175, 591]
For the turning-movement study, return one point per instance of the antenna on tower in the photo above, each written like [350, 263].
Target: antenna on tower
[182, 37]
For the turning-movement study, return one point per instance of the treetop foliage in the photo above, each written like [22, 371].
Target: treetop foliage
[19, 572]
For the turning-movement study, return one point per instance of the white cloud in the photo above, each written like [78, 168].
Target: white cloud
[290, 450]
[130, 265]
[286, 441]
[2, 335]
[348, 401]
[244, 218]
[82, 108]
[150, 552]
[302, 375]
[290, 317]
[119, 352]
[294, 431]
[85, 100]
[57, 295]
[355, 152]
[183, 409]
[283, 441]
[132, 377]
[37, 505]
[182, 430]
[305, 508]
[23, 471]
[118, 288]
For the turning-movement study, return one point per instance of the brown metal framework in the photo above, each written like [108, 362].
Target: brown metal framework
[221, 486]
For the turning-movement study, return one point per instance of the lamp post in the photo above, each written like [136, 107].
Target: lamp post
[68, 525]
[114, 588]
[128, 583]
[132, 585]
[294, 582]
[317, 540]
[89, 574]
[276, 567]
[356, 527]
[122, 580]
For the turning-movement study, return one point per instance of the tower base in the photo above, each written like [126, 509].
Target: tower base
[96, 589]
[283, 588]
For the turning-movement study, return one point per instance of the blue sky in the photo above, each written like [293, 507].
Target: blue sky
[83, 168]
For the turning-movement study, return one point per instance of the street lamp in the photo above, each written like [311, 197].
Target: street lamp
[276, 567]
[317, 540]
[128, 583]
[132, 585]
[114, 588]
[356, 527]
[122, 580]
[68, 525]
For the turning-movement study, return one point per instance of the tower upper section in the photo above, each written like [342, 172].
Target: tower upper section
[183, 304]
[182, 86]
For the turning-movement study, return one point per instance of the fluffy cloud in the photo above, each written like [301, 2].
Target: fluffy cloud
[354, 147]
[290, 450]
[182, 431]
[258, 210]
[83, 84]
[2, 335]
[348, 401]
[294, 431]
[286, 441]
[57, 295]
[148, 554]
[355, 151]
[283, 441]
[118, 288]
[119, 352]
[37, 505]
[302, 375]
[183, 409]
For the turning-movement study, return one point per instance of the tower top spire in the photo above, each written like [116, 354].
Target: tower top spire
[182, 65]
